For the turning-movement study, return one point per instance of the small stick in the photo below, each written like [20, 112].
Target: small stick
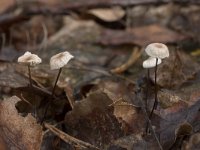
[149, 122]
[69, 139]
[133, 58]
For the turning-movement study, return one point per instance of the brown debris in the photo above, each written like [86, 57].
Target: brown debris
[17, 131]
[133, 58]
[176, 69]
[69, 139]
[140, 36]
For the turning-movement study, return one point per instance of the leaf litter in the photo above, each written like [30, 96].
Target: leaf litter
[94, 107]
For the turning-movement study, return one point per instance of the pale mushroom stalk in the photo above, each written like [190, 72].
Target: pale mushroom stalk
[156, 92]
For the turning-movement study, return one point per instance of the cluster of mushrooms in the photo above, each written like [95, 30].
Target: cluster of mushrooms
[156, 52]
[57, 62]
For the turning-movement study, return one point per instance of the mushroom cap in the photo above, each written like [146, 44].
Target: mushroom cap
[151, 62]
[157, 50]
[60, 60]
[29, 59]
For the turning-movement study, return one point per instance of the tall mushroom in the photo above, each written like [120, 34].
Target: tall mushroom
[30, 60]
[150, 63]
[57, 61]
[157, 51]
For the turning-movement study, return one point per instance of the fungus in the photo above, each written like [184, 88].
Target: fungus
[58, 61]
[30, 60]
[151, 62]
[158, 51]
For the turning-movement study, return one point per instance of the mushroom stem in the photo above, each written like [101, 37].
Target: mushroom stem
[156, 95]
[147, 89]
[60, 70]
[146, 98]
[29, 75]
[52, 96]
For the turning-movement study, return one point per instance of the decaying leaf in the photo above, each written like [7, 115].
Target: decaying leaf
[140, 36]
[177, 120]
[183, 129]
[5, 4]
[18, 132]
[93, 120]
[9, 76]
[125, 104]
[176, 69]
[168, 98]
[193, 143]
[108, 14]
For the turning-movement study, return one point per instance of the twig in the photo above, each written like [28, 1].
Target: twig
[133, 58]
[69, 139]
[122, 103]
[23, 99]
[69, 94]
[149, 122]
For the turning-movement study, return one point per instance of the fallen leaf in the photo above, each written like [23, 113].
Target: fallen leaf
[176, 69]
[140, 36]
[9, 77]
[176, 120]
[93, 120]
[108, 14]
[18, 132]
[193, 143]
[5, 4]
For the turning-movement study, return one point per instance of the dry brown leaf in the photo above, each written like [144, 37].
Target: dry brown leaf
[9, 77]
[108, 14]
[193, 143]
[140, 36]
[93, 120]
[176, 69]
[5, 4]
[18, 132]
[168, 98]
[125, 105]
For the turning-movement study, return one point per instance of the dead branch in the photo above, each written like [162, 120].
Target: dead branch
[69, 139]
[133, 58]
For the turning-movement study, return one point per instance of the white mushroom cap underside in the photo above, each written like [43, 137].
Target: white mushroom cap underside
[60, 60]
[151, 62]
[158, 50]
[29, 59]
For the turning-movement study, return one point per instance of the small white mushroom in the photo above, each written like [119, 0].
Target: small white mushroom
[157, 50]
[60, 60]
[151, 62]
[29, 59]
